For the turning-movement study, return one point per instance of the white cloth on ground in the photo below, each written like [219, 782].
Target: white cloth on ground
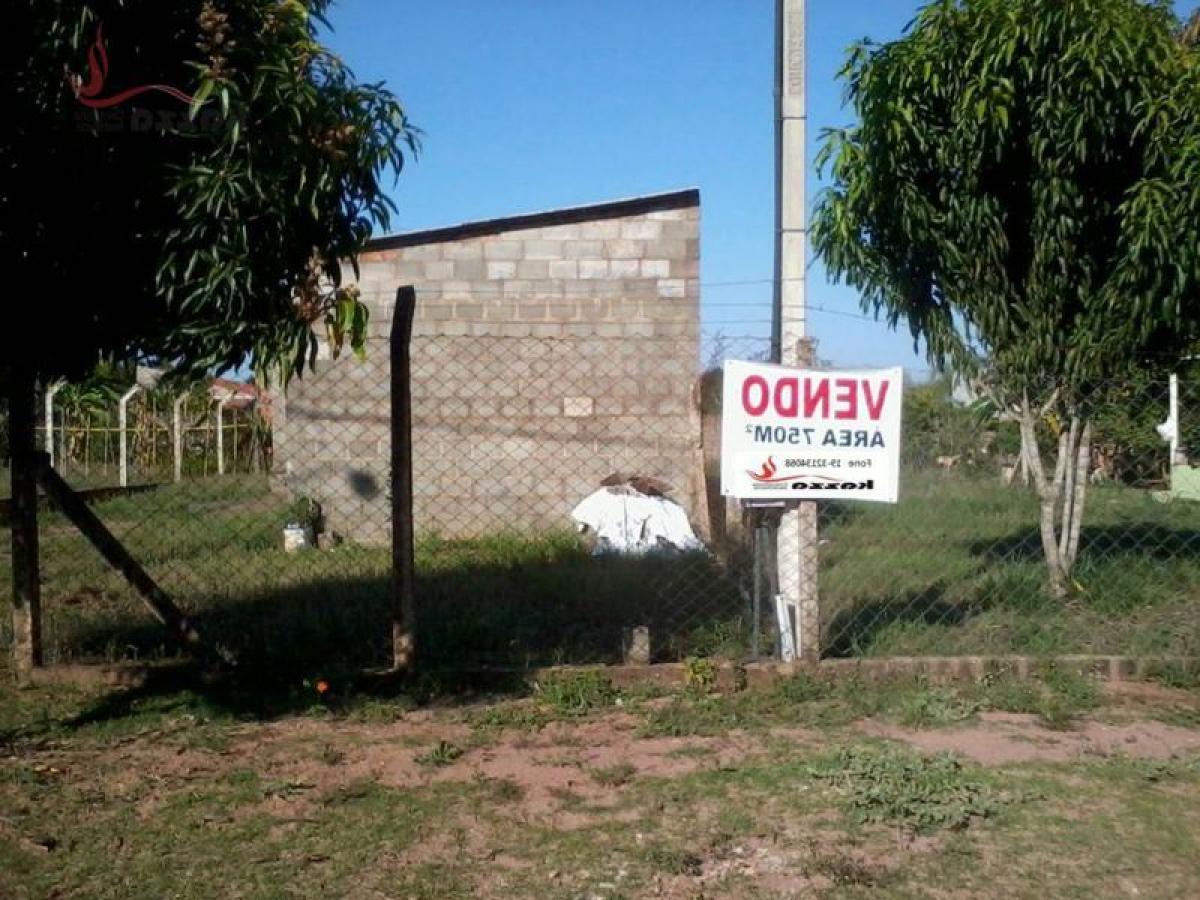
[626, 521]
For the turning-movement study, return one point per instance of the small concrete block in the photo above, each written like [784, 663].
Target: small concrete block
[439, 270]
[566, 269]
[636, 649]
[543, 249]
[578, 407]
[656, 268]
[502, 270]
[602, 230]
[671, 288]
[456, 290]
[503, 250]
[422, 252]
[463, 250]
[561, 232]
[593, 268]
[641, 229]
[468, 310]
[624, 249]
[533, 269]
[470, 269]
[667, 248]
[624, 268]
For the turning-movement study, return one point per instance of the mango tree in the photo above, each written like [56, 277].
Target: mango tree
[181, 184]
[1022, 187]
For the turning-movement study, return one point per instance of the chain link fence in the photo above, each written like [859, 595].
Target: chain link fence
[568, 510]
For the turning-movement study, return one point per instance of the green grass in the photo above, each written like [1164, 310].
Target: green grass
[956, 568]
[1057, 698]
[215, 546]
[953, 569]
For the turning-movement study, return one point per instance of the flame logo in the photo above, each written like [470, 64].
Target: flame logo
[88, 93]
[768, 470]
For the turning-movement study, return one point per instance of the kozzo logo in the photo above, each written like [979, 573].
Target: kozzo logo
[767, 478]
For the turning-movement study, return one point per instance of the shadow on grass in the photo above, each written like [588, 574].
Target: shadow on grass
[1098, 543]
[855, 629]
[471, 618]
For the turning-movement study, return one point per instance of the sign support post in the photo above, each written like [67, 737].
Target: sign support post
[792, 436]
[797, 541]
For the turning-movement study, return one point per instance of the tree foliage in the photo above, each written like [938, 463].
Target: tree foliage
[206, 234]
[1023, 189]
[1023, 186]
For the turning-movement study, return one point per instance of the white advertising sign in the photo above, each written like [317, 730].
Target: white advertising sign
[802, 434]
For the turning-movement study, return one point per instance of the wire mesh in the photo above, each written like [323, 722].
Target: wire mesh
[285, 558]
[959, 565]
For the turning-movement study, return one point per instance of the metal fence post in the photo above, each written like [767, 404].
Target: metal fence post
[221, 435]
[177, 435]
[123, 425]
[51, 390]
[403, 558]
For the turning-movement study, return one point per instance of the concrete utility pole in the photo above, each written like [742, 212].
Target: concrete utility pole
[799, 612]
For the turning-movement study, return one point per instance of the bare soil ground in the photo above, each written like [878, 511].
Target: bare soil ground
[445, 802]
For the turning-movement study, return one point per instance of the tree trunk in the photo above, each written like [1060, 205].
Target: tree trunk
[1083, 465]
[1061, 497]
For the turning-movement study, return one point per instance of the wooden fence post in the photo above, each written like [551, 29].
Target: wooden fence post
[179, 627]
[26, 577]
[403, 560]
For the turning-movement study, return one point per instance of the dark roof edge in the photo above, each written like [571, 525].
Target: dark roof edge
[613, 209]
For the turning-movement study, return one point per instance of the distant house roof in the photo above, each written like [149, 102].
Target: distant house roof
[238, 394]
[613, 209]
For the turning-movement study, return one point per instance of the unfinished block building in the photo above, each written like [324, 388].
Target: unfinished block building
[549, 351]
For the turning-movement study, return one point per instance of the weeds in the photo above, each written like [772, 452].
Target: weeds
[1179, 676]
[443, 753]
[1057, 698]
[699, 674]
[918, 792]
[933, 707]
[522, 716]
[576, 693]
[684, 718]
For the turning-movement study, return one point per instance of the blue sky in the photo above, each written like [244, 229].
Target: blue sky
[536, 104]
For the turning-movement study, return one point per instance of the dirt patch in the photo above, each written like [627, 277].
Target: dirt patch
[1006, 738]
[567, 775]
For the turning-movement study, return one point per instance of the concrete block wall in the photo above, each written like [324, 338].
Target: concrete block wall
[548, 351]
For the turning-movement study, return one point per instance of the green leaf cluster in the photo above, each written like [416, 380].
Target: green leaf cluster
[1022, 188]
